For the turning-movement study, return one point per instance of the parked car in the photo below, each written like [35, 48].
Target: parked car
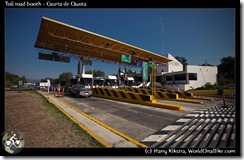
[79, 90]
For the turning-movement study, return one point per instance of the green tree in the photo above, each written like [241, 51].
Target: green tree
[43, 80]
[55, 81]
[163, 80]
[226, 70]
[64, 78]
[206, 64]
[182, 60]
[23, 79]
[12, 79]
[96, 73]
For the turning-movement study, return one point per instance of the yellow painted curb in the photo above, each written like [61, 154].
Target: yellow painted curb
[188, 101]
[165, 105]
[82, 126]
[106, 126]
[207, 99]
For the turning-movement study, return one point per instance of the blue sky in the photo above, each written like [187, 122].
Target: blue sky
[196, 34]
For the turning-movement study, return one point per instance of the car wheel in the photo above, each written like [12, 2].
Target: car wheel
[77, 95]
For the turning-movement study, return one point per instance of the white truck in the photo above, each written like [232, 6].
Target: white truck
[86, 80]
[111, 81]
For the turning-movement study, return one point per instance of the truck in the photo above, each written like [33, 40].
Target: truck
[129, 81]
[84, 79]
[98, 81]
[111, 81]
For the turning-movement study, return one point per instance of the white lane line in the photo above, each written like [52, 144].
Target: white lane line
[219, 120]
[196, 139]
[207, 127]
[179, 138]
[198, 111]
[206, 138]
[221, 126]
[184, 128]
[192, 127]
[192, 115]
[170, 138]
[214, 126]
[228, 126]
[171, 127]
[213, 120]
[199, 128]
[208, 120]
[223, 137]
[154, 138]
[183, 120]
[215, 137]
[187, 139]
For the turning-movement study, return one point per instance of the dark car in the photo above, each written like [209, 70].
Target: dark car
[80, 91]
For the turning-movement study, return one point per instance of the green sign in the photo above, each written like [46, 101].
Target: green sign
[145, 71]
[151, 64]
[125, 58]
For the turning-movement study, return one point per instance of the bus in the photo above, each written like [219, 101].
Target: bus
[111, 81]
[98, 82]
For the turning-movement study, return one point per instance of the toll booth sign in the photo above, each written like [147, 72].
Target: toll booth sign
[139, 63]
[125, 58]
[145, 70]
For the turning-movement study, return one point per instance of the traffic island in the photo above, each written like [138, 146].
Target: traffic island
[136, 98]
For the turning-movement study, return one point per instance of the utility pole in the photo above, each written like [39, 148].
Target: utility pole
[162, 24]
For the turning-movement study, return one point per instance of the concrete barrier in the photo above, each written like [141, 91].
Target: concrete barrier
[186, 95]
[162, 95]
[131, 97]
[121, 95]
[158, 94]
[180, 93]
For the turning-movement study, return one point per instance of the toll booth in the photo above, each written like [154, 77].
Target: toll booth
[111, 81]
[98, 81]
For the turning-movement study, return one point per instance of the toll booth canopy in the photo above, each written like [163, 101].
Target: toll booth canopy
[60, 37]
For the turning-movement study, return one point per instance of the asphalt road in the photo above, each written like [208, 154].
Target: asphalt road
[134, 120]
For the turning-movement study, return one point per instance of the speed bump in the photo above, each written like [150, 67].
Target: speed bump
[127, 96]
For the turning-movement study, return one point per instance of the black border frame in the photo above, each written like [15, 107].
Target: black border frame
[134, 152]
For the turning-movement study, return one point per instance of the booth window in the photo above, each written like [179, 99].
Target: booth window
[193, 76]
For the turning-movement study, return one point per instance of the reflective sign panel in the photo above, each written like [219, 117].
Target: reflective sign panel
[125, 58]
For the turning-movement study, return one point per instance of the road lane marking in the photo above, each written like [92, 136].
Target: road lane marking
[104, 125]
[154, 138]
[171, 128]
